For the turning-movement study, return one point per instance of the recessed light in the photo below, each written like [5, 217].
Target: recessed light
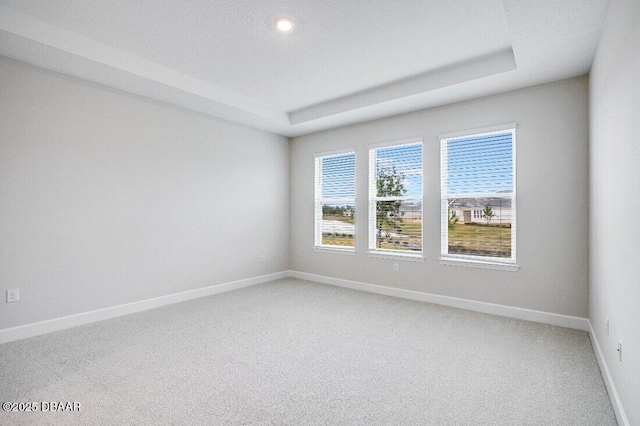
[284, 25]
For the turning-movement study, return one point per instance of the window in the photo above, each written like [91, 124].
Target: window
[478, 197]
[335, 201]
[395, 198]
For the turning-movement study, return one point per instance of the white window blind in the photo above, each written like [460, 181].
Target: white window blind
[395, 198]
[478, 197]
[335, 200]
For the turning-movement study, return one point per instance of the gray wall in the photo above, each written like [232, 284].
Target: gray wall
[108, 199]
[552, 159]
[615, 188]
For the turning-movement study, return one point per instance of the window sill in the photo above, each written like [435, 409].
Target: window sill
[410, 257]
[451, 261]
[347, 251]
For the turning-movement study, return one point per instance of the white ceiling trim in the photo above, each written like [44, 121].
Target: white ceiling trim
[42, 32]
[473, 69]
[551, 41]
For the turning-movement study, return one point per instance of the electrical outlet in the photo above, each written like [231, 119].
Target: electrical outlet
[396, 267]
[13, 295]
[263, 258]
[606, 324]
[620, 350]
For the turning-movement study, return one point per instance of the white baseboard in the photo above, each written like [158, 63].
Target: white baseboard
[489, 308]
[472, 305]
[43, 327]
[608, 380]
[56, 324]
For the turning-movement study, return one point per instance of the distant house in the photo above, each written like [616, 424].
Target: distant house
[472, 211]
[411, 210]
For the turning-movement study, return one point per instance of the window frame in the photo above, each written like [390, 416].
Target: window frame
[487, 262]
[319, 201]
[372, 250]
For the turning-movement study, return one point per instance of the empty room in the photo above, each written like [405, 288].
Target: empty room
[241, 212]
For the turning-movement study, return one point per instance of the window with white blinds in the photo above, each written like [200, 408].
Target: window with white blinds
[478, 197]
[335, 200]
[395, 197]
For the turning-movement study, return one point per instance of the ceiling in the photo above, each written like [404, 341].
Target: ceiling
[344, 62]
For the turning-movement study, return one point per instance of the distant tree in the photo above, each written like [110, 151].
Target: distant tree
[453, 218]
[345, 211]
[487, 213]
[349, 211]
[330, 210]
[390, 183]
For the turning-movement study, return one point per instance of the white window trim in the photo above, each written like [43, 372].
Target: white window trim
[318, 200]
[478, 131]
[469, 260]
[453, 260]
[335, 249]
[372, 251]
[334, 152]
[397, 142]
[396, 255]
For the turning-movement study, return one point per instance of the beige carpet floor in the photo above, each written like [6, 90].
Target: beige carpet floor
[298, 353]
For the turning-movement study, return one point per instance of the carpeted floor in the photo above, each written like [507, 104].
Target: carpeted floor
[295, 352]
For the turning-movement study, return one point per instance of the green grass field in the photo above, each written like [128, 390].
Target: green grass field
[338, 218]
[338, 240]
[480, 240]
[411, 227]
[408, 238]
[469, 239]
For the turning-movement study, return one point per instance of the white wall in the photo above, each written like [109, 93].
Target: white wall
[108, 199]
[615, 186]
[552, 161]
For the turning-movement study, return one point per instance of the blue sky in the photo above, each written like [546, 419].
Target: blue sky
[338, 176]
[408, 160]
[480, 164]
[338, 172]
[476, 164]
